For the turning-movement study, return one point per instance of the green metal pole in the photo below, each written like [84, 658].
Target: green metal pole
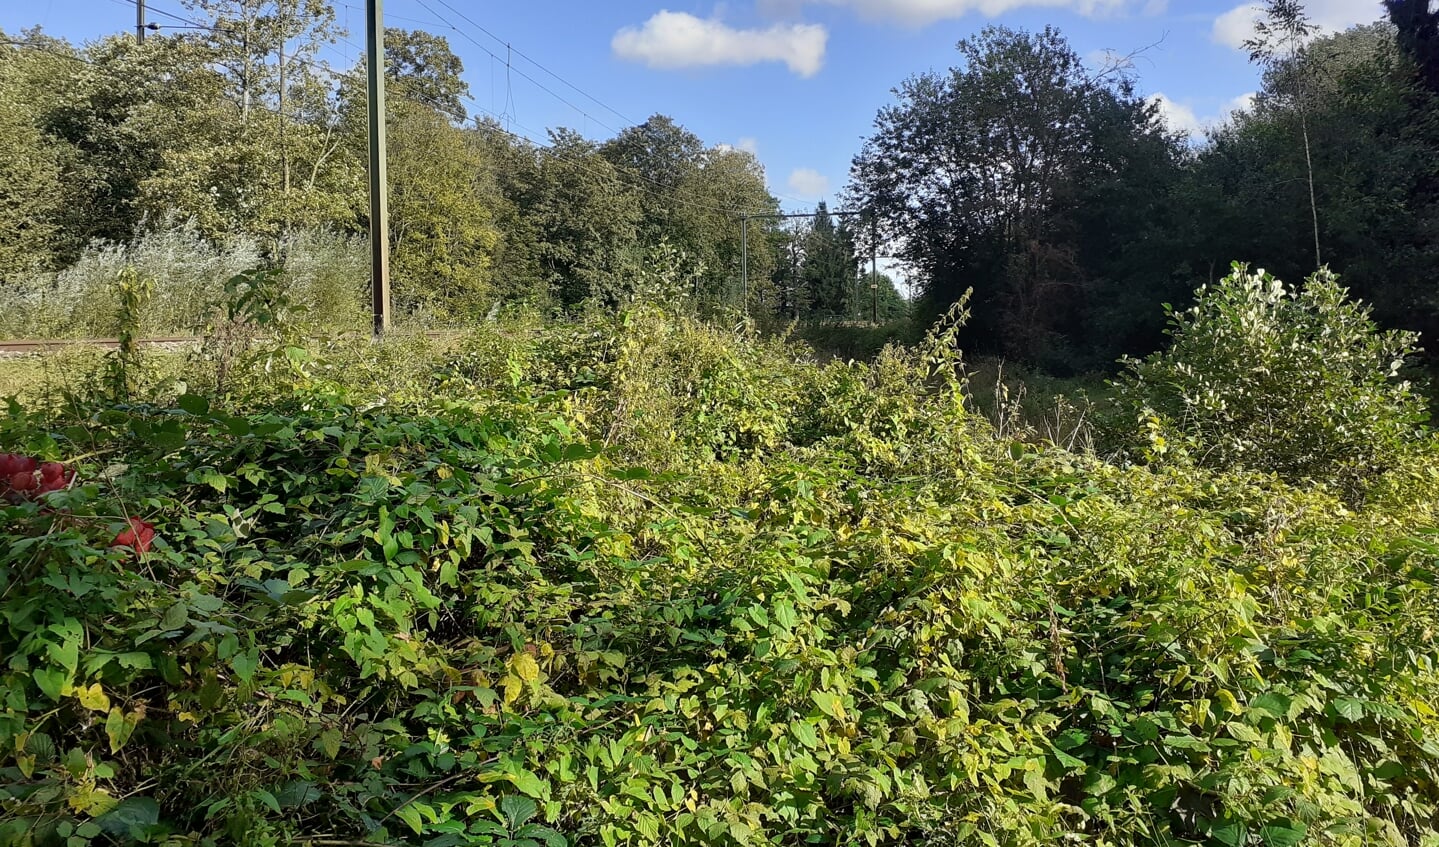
[379, 182]
[744, 258]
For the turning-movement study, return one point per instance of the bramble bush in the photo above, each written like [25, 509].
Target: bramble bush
[1300, 382]
[651, 582]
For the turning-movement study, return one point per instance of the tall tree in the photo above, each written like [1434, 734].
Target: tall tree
[30, 167]
[726, 183]
[427, 70]
[831, 269]
[1418, 25]
[1278, 41]
[972, 172]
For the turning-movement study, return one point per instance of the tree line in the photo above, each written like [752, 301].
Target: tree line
[1050, 187]
[240, 130]
[1060, 196]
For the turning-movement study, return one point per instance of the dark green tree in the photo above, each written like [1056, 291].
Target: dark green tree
[1418, 25]
[974, 174]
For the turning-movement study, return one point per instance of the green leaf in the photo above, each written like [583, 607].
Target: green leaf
[648, 826]
[51, 681]
[517, 810]
[245, 665]
[131, 812]
[1276, 705]
[269, 800]
[119, 727]
[215, 480]
[740, 832]
[175, 617]
[829, 703]
[784, 614]
[529, 783]
[1283, 834]
[1232, 833]
[1070, 739]
[1350, 708]
[329, 742]
[194, 404]
[804, 731]
[411, 816]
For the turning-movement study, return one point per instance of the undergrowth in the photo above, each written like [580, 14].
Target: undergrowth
[644, 581]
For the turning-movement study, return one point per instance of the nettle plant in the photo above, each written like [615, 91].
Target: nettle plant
[1300, 382]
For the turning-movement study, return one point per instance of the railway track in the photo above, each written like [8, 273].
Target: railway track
[36, 346]
[22, 346]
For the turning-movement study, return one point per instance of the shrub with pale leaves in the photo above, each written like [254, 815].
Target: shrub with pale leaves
[1296, 381]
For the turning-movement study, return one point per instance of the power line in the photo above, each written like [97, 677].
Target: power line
[406, 90]
[508, 116]
[618, 170]
[510, 66]
[38, 48]
[404, 87]
[631, 122]
[556, 76]
[170, 15]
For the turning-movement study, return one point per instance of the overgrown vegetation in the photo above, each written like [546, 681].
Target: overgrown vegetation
[1300, 382]
[1047, 182]
[641, 580]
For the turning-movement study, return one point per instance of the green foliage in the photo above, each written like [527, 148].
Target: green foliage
[188, 274]
[641, 581]
[133, 293]
[1298, 382]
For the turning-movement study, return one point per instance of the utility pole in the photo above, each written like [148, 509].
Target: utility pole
[873, 274]
[140, 21]
[744, 258]
[379, 184]
[744, 220]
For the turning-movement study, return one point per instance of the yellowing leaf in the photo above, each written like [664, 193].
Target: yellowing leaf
[119, 727]
[92, 801]
[329, 742]
[513, 688]
[829, 703]
[524, 666]
[93, 698]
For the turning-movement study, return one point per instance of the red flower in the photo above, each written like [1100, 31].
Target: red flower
[54, 476]
[14, 463]
[139, 536]
[18, 477]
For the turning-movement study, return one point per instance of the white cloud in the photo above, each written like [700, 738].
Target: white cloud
[1178, 115]
[747, 145]
[923, 12]
[1236, 26]
[681, 40]
[1183, 118]
[808, 183]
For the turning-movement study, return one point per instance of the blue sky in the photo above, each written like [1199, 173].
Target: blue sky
[798, 82]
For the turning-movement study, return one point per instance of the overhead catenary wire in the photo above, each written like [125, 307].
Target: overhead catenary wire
[171, 15]
[508, 116]
[602, 104]
[508, 47]
[661, 190]
[405, 89]
[509, 66]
